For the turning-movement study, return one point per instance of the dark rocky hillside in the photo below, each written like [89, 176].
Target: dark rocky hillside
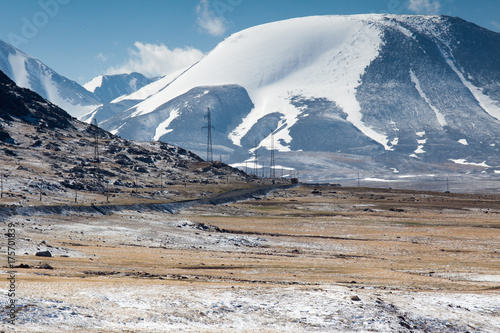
[44, 149]
[23, 105]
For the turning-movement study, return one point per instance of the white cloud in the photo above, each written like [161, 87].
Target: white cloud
[208, 21]
[102, 57]
[156, 60]
[425, 6]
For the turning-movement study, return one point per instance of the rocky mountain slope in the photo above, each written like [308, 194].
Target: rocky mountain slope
[381, 94]
[46, 151]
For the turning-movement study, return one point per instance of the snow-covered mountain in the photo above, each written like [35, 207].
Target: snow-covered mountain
[126, 101]
[382, 93]
[30, 73]
[109, 87]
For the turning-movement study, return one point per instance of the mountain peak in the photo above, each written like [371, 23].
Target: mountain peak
[31, 73]
[94, 83]
[109, 87]
[374, 92]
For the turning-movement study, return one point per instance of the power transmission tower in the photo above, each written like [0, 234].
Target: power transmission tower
[272, 173]
[209, 126]
[76, 191]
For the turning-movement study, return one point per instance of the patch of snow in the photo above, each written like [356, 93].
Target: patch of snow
[419, 150]
[489, 105]
[89, 117]
[162, 129]
[422, 142]
[406, 32]
[18, 63]
[439, 115]
[371, 179]
[133, 84]
[463, 142]
[162, 307]
[76, 110]
[417, 176]
[464, 162]
[93, 84]
[115, 131]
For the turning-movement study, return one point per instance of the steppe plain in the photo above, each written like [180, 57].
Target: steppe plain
[314, 258]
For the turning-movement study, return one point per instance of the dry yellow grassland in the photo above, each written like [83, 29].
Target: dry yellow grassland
[384, 247]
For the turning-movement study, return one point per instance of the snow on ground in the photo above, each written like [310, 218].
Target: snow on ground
[486, 102]
[151, 88]
[135, 304]
[439, 116]
[165, 308]
[53, 95]
[18, 64]
[372, 179]
[98, 304]
[162, 129]
[463, 161]
[94, 83]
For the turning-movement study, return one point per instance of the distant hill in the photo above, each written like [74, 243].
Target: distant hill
[32, 74]
[77, 100]
[109, 87]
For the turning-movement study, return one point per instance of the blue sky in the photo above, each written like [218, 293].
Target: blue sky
[81, 39]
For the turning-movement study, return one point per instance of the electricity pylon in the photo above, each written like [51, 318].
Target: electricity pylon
[272, 173]
[209, 126]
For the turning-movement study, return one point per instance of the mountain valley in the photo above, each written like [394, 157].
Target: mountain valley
[49, 156]
[115, 220]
